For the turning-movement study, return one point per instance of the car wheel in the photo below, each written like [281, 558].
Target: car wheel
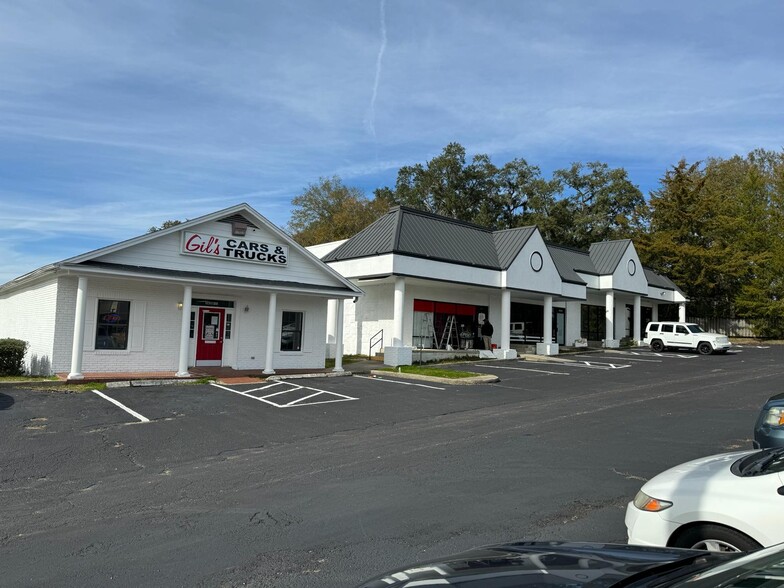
[715, 538]
[705, 348]
[657, 345]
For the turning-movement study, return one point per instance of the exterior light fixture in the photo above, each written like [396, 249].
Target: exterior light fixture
[238, 229]
[179, 306]
[247, 308]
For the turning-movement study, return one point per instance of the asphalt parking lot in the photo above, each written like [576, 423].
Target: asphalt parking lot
[91, 485]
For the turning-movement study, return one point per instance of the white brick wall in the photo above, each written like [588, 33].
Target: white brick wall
[159, 350]
[368, 315]
[29, 315]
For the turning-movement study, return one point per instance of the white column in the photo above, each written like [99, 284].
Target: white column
[185, 331]
[332, 306]
[547, 333]
[637, 318]
[609, 316]
[655, 312]
[271, 315]
[400, 297]
[506, 318]
[682, 312]
[77, 348]
[339, 337]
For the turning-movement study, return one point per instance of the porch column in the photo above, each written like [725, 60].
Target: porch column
[655, 312]
[637, 318]
[271, 314]
[339, 337]
[77, 349]
[609, 320]
[506, 318]
[400, 297]
[547, 333]
[332, 306]
[682, 312]
[185, 330]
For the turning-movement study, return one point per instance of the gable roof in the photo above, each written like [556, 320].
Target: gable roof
[240, 212]
[657, 280]
[408, 231]
[606, 255]
[569, 261]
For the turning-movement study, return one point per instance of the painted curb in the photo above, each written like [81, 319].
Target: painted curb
[483, 379]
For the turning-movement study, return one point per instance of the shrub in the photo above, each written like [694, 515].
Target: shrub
[12, 353]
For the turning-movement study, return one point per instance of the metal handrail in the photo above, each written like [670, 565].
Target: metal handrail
[373, 344]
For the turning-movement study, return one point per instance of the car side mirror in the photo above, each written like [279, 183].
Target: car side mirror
[781, 490]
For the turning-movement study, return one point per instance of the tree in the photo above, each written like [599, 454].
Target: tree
[477, 192]
[164, 225]
[601, 204]
[692, 224]
[329, 211]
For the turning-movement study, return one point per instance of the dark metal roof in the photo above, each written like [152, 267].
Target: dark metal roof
[408, 231]
[657, 280]
[606, 255]
[375, 239]
[570, 261]
[155, 271]
[509, 243]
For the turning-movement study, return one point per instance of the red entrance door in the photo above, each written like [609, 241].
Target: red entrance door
[209, 341]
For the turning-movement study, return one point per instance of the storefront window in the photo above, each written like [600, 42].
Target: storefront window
[112, 324]
[291, 331]
[592, 322]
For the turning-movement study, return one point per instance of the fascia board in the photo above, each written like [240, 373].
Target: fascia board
[79, 270]
[439, 270]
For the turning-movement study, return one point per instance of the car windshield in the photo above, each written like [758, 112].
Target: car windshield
[763, 568]
[695, 328]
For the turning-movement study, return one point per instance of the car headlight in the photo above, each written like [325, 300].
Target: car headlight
[775, 416]
[649, 503]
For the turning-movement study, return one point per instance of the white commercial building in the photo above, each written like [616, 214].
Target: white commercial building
[226, 289]
[431, 282]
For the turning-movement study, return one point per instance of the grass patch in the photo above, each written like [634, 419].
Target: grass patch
[69, 388]
[330, 361]
[423, 370]
[28, 378]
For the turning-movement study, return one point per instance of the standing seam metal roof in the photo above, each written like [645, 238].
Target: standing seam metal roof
[408, 231]
[606, 255]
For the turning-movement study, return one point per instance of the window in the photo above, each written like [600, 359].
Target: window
[653, 327]
[112, 324]
[666, 328]
[681, 330]
[227, 330]
[193, 325]
[592, 322]
[291, 331]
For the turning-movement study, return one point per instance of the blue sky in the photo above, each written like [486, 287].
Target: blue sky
[118, 115]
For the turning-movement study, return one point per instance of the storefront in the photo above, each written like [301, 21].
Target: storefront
[227, 289]
[431, 281]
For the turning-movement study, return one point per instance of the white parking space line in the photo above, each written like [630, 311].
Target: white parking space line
[133, 413]
[601, 365]
[332, 396]
[399, 382]
[656, 354]
[628, 358]
[504, 367]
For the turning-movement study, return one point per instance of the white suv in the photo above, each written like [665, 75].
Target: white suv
[661, 335]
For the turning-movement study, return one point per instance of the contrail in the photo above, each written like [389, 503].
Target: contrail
[371, 119]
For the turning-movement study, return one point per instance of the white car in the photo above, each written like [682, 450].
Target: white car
[727, 502]
[663, 335]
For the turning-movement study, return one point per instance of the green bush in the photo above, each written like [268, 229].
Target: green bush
[12, 353]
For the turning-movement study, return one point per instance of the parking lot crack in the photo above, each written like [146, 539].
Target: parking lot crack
[628, 476]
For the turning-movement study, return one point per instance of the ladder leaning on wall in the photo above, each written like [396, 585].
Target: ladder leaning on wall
[450, 334]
